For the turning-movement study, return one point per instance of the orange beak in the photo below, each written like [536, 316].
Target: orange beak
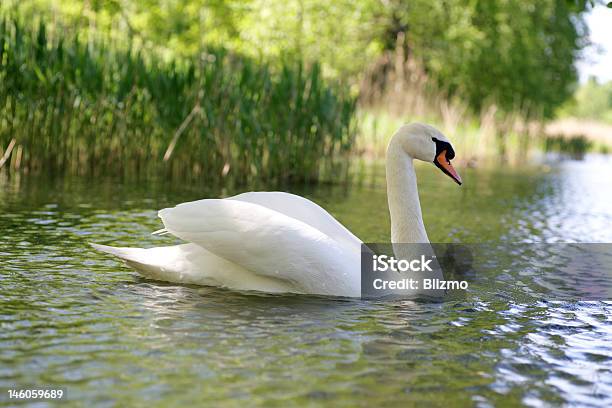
[443, 164]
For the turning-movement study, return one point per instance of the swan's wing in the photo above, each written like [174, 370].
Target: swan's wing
[303, 210]
[268, 243]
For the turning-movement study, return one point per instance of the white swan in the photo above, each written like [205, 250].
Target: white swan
[280, 242]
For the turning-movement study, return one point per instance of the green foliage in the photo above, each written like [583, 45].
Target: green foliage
[140, 72]
[78, 106]
[343, 34]
[591, 101]
[516, 54]
[576, 146]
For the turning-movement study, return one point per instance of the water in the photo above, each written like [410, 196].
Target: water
[75, 318]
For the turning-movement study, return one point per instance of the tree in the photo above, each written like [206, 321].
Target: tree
[519, 55]
[516, 54]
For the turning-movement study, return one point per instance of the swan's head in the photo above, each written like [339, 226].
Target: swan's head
[426, 143]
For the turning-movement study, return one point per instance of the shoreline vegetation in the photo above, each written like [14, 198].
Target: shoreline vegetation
[70, 106]
[94, 104]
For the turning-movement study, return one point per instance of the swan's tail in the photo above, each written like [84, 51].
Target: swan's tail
[189, 263]
[154, 263]
[127, 254]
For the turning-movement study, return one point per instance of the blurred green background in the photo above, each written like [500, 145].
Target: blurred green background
[287, 91]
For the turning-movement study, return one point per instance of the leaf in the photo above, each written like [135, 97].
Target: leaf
[609, 4]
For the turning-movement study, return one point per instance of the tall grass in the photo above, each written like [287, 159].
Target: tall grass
[68, 105]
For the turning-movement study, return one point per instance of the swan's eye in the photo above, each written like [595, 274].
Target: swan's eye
[450, 153]
[444, 146]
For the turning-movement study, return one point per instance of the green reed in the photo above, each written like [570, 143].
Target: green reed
[574, 146]
[82, 107]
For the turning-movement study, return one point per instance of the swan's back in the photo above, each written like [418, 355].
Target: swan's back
[303, 210]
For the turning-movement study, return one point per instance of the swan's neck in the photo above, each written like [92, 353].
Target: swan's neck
[404, 206]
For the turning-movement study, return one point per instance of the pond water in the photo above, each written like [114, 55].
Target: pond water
[74, 318]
